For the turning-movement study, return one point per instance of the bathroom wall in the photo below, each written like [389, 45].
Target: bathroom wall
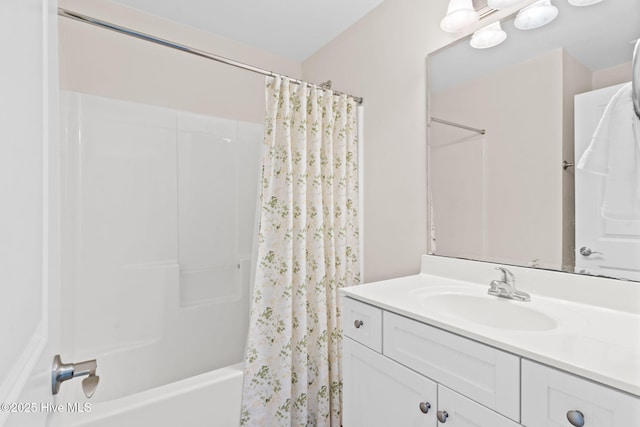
[612, 76]
[101, 62]
[382, 58]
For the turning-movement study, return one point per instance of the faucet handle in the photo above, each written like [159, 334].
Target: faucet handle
[507, 276]
[65, 371]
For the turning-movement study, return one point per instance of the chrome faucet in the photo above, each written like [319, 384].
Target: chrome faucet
[506, 287]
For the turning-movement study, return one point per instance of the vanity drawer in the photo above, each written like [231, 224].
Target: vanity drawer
[489, 376]
[363, 323]
[548, 395]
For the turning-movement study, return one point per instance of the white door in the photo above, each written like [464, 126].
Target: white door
[603, 246]
[28, 210]
[379, 392]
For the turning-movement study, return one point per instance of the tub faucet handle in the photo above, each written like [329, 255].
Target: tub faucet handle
[61, 372]
[90, 384]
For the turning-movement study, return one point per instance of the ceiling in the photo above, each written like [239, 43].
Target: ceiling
[294, 29]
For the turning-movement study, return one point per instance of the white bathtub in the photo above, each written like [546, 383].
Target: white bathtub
[208, 400]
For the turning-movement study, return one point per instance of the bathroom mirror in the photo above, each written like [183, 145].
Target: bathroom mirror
[503, 186]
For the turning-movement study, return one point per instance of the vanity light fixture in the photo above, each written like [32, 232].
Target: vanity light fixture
[583, 2]
[536, 15]
[489, 36]
[460, 14]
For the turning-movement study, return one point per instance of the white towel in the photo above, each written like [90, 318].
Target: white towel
[614, 152]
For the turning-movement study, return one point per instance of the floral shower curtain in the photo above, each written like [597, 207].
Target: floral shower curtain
[308, 248]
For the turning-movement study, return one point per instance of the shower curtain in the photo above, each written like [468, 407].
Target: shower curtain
[308, 248]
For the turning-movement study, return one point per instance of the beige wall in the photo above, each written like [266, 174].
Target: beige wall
[612, 76]
[382, 58]
[101, 62]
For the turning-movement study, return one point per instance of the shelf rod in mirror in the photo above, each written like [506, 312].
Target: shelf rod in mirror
[458, 125]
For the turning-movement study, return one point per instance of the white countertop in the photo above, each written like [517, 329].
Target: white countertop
[598, 343]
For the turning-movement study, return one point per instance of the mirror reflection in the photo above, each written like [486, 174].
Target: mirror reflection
[508, 128]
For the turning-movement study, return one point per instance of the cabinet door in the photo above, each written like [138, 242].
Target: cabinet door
[482, 373]
[459, 411]
[379, 392]
[548, 395]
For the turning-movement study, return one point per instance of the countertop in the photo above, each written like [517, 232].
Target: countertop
[598, 343]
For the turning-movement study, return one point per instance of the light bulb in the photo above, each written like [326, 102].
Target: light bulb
[489, 36]
[460, 14]
[536, 15]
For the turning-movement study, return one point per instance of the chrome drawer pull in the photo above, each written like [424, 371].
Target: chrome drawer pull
[442, 416]
[575, 418]
[424, 407]
[358, 323]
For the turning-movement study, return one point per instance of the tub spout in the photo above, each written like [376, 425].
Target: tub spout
[61, 372]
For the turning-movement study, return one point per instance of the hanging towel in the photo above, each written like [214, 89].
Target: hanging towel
[614, 152]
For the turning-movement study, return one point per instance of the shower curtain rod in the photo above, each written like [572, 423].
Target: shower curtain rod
[458, 125]
[133, 33]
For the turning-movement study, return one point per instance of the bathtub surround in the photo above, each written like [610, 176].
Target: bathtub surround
[308, 248]
[158, 214]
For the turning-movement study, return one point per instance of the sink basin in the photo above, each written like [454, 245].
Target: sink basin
[489, 311]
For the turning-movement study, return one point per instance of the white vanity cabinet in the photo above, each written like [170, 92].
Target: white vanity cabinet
[401, 372]
[423, 375]
[482, 373]
[551, 397]
[379, 392]
[438, 337]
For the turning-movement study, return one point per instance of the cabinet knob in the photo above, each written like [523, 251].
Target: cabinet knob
[576, 418]
[424, 407]
[358, 323]
[442, 416]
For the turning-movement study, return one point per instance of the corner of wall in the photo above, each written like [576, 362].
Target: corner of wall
[382, 59]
